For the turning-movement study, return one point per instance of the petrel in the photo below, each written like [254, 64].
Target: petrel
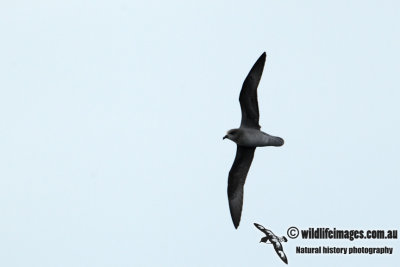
[247, 137]
[274, 240]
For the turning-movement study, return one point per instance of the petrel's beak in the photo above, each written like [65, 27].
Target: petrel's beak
[226, 136]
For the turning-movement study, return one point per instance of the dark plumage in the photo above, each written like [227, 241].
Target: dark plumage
[237, 177]
[247, 137]
[248, 95]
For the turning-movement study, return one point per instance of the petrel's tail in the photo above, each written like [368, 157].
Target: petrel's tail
[275, 141]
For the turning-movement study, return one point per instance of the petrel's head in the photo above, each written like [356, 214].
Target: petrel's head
[232, 135]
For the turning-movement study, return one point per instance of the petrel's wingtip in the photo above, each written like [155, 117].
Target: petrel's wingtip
[262, 58]
[236, 223]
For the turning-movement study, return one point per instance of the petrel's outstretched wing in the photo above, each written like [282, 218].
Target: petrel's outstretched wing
[279, 250]
[236, 180]
[248, 95]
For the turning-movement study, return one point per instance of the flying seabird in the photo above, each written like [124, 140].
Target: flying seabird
[247, 137]
[274, 240]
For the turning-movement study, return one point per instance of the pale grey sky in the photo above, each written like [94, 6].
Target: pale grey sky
[112, 115]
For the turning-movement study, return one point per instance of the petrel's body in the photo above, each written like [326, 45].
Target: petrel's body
[247, 137]
[274, 240]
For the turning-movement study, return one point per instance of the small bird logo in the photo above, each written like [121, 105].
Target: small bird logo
[274, 240]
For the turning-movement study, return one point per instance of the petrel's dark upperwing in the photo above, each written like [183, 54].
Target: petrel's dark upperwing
[236, 180]
[279, 250]
[248, 95]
